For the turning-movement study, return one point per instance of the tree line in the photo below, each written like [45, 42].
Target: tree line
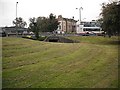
[110, 21]
[39, 24]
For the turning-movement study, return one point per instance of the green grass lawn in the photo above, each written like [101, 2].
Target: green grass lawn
[92, 63]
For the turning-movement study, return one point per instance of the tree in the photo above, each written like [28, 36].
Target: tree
[19, 22]
[47, 24]
[34, 27]
[43, 24]
[111, 18]
[38, 25]
[53, 23]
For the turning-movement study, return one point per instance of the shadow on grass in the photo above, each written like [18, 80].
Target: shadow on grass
[108, 43]
[114, 42]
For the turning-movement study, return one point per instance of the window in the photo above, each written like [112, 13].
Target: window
[59, 27]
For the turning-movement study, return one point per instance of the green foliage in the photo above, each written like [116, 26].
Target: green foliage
[33, 26]
[47, 24]
[111, 18]
[52, 23]
[41, 38]
[19, 22]
[43, 24]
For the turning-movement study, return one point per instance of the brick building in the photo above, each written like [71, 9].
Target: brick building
[66, 25]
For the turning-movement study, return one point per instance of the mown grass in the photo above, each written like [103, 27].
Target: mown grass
[36, 64]
[96, 40]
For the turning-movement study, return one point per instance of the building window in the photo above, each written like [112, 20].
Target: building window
[59, 27]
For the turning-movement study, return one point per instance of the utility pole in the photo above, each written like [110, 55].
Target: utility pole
[80, 16]
[16, 19]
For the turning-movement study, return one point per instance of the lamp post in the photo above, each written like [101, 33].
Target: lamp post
[80, 27]
[80, 13]
[16, 19]
[16, 9]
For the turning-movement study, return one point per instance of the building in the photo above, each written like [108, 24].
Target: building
[66, 25]
[88, 27]
[13, 30]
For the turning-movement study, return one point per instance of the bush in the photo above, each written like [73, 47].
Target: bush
[42, 38]
[29, 37]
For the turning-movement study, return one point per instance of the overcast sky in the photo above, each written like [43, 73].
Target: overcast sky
[35, 8]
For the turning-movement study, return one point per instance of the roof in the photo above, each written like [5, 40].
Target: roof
[15, 27]
[66, 19]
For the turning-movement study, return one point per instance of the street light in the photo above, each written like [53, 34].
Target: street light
[16, 19]
[16, 9]
[80, 27]
[80, 13]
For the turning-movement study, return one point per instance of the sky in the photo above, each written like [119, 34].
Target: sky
[35, 8]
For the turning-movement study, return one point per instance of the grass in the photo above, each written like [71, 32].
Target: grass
[96, 40]
[36, 64]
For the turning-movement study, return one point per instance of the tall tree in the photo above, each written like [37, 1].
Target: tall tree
[19, 22]
[43, 24]
[111, 17]
[53, 23]
[34, 27]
